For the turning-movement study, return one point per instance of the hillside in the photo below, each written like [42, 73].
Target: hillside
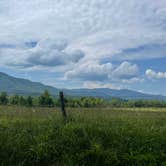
[20, 86]
[13, 85]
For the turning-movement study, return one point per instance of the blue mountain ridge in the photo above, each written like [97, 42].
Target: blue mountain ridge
[25, 87]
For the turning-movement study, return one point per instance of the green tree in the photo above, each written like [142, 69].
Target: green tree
[46, 100]
[22, 101]
[3, 98]
[29, 101]
[14, 100]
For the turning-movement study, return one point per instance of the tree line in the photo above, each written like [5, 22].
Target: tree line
[46, 100]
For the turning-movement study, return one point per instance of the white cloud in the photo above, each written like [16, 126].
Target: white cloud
[90, 71]
[93, 71]
[155, 75]
[100, 28]
[126, 70]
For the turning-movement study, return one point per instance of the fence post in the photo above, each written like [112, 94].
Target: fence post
[62, 104]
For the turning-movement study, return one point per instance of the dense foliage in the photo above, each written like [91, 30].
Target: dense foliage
[99, 137]
[46, 100]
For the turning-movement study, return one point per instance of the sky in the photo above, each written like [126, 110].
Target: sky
[85, 44]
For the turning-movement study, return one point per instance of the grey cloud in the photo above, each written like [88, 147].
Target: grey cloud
[7, 45]
[47, 52]
[52, 53]
[31, 44]
[142, 52]
[76, 55]
[47, 58]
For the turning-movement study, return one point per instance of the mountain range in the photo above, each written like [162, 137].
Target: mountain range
[20, 86]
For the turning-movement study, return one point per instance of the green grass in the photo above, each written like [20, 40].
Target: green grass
[89, 137]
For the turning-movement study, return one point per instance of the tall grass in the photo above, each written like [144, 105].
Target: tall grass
[40, 136]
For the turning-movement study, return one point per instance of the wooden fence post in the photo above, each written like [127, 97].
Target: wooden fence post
[62, 104]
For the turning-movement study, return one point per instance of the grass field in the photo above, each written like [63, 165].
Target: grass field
[89, 137]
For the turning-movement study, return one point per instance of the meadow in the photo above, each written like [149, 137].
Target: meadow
[88, 137]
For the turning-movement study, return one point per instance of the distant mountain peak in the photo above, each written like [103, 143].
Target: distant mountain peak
[20, 86]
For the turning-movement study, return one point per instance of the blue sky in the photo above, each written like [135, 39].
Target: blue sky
[85, 44]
